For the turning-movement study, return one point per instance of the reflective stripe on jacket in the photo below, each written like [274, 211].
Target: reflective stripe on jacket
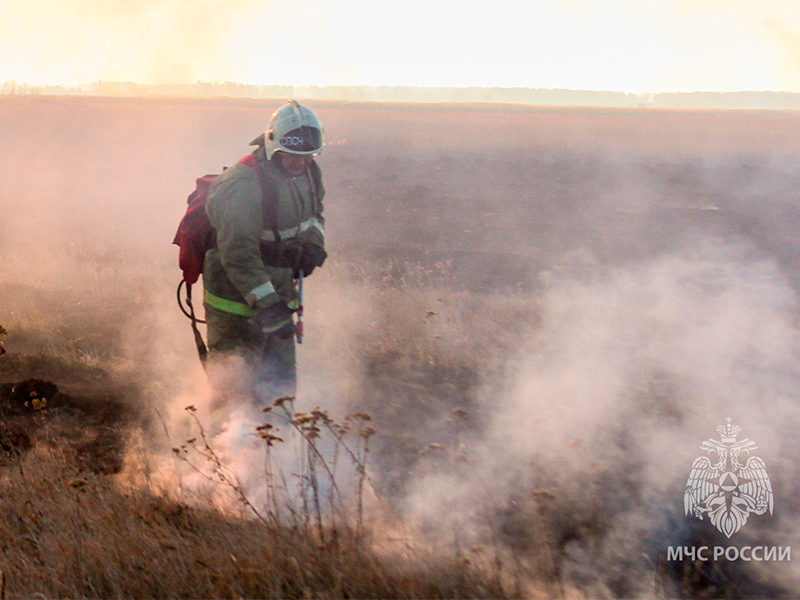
[237, 308]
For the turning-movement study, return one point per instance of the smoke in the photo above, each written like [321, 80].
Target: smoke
[784, 35]
[585, 296]
[118, 40]
[728, 46]
[629, 371]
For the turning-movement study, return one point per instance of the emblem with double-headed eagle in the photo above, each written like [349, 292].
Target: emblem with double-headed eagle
[727, 490]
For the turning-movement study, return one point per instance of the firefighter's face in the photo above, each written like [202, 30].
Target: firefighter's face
[295, 164]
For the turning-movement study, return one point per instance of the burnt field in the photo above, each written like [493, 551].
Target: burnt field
[544, 310]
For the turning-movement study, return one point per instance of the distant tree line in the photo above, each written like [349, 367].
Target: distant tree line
[524, 96]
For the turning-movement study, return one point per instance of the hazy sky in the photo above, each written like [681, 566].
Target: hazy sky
[621, 45]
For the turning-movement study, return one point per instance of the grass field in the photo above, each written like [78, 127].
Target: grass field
[544, 311]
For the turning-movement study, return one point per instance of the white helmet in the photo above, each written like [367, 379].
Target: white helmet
[295, 129]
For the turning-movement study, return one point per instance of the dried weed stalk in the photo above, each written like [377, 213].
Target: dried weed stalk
[322, 439]
[219, 471]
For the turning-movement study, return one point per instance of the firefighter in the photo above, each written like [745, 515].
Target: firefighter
[269, 228]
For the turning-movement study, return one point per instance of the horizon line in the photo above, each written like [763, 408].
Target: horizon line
[740, 99]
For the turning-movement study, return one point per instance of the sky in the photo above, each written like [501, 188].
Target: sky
[637, 46]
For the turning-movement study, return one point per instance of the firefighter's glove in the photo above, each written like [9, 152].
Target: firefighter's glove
[311, 257]
[275, 319]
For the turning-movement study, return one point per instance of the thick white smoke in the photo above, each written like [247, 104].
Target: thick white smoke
[631, 369]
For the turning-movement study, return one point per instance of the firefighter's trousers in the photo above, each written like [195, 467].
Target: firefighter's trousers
[271, 368]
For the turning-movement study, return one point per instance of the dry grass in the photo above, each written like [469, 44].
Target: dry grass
[68, 533]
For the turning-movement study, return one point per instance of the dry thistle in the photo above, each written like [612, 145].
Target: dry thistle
[367, 432]
[190, 408]
[340, 429]
[360, 415]
[280, 401]
[266, 409]
[264, 427]
[310, 432]
[322, 415]
[270, 438]
[301, 418]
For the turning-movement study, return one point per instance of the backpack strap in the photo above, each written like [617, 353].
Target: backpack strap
[269, 193]
[315, 174]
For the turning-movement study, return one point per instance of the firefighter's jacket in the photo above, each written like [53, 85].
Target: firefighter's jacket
[240, 273]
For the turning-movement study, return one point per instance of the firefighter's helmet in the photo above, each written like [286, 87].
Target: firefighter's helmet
[293, 128]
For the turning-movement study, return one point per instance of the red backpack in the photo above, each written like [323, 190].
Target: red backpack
[194, 233]
[194, 237]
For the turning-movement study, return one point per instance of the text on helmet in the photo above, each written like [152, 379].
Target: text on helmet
[291, 141]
